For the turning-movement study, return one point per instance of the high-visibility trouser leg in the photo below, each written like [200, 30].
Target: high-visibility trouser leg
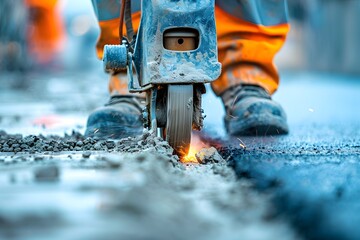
[107, 13]
[250, 33]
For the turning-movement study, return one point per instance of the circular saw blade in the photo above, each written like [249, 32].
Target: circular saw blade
[179, 117]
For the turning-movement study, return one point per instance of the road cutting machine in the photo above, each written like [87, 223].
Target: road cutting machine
[170, 58]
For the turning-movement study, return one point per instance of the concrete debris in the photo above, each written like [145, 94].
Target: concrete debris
[86, 154]
[208, 155]
[144, 180]
[77, 142]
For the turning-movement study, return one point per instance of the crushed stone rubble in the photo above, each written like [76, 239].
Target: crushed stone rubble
[208, 155]
[15, 143]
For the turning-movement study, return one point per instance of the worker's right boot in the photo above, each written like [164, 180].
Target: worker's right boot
[250, 111]
[121, 117]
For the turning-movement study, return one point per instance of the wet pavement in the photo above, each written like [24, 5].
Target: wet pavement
[305, 182]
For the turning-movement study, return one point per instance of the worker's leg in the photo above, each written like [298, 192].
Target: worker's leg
[250, 33]
[121, 116]
[46, 31]
[107, 13]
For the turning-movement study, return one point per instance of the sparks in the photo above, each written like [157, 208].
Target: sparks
[196, 146]
[190, 157]
[242, 144]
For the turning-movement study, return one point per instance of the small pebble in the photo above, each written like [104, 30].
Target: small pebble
[47, 174]
[86, 154]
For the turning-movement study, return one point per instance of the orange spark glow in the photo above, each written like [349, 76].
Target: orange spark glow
[196, 146]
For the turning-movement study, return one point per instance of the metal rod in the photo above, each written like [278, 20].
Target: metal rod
[153, 111]
[121, 23]
[131, 85]
[128, 21]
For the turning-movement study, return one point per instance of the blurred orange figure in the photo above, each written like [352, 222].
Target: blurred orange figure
[46, 31]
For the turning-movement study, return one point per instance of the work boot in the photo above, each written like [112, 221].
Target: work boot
[121, 117]
[250, 111]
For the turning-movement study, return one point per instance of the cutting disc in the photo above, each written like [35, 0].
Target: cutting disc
[179, 117]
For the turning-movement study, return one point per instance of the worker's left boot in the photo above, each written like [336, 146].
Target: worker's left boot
[250, 111]
[121, 117]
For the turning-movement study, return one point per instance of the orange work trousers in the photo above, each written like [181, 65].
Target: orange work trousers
[250, 33]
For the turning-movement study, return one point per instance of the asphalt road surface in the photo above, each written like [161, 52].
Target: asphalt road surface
[314, 172]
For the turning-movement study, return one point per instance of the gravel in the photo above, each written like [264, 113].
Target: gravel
[16, 143]
[208, 155]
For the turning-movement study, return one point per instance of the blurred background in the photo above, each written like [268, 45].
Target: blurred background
[56, 35]
[324, 36]
[46, 49]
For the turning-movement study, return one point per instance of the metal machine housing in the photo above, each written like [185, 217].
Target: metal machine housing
[156, 65]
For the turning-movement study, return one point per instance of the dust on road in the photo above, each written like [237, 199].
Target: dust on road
[135, 189]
